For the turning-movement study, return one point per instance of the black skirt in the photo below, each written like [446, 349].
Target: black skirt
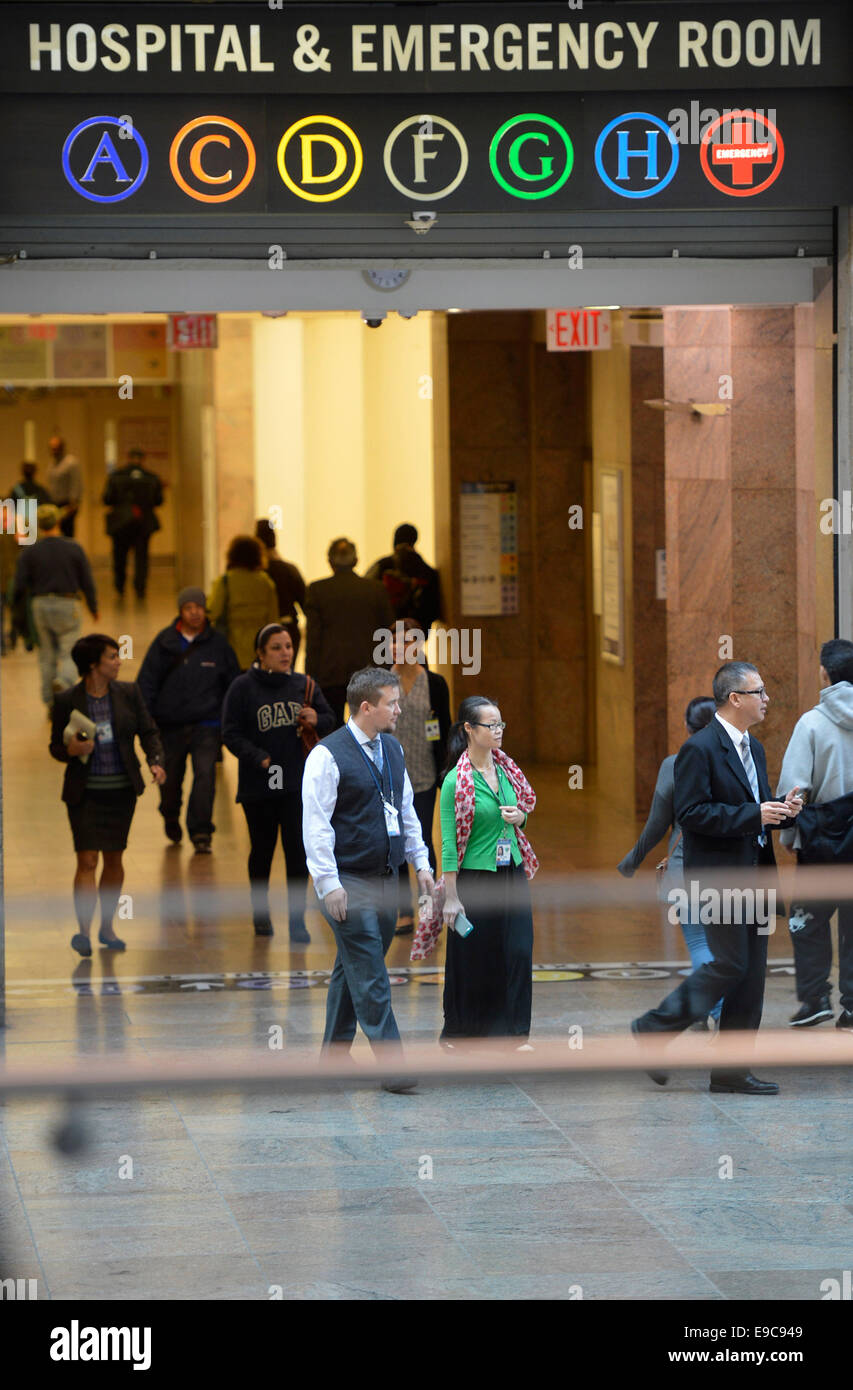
[488, 975]
[101, 821]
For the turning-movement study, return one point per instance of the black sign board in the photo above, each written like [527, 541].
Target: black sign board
[482, 154]
[168, 109]
[267, 48]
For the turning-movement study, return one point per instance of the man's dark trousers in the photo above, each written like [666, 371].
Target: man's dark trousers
[336, 695]
[200, 743]
[736, 973]
[133, 538]
[359, 991]
[812, 944]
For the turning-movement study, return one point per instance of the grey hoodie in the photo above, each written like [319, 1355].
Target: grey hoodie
[819, 756]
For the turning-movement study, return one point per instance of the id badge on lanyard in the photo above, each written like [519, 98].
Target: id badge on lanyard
[392, 817]
[503, 855]
[432, 729]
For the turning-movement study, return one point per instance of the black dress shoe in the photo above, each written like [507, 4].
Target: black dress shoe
[263, 927]
[660, 1078]
[81, 944]
[174, 831]
[748, 1085]
[402, 1087]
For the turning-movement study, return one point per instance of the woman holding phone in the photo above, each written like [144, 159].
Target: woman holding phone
[102, 777]
[486, 862]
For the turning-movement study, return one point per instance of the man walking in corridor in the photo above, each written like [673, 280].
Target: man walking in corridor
[359, 826]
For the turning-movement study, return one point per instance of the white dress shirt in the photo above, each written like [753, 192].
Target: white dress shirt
[319, 796]
[734, 734]
[737, 739]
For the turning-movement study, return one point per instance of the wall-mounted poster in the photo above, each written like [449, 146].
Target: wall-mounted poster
[23, 357]
[139, 350]
[80, 351]
[488, 549]
[612, 585]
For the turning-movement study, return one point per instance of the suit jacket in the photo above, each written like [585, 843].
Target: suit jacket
[342, 614]
[439, 699]
[714, 804]
[130, 720]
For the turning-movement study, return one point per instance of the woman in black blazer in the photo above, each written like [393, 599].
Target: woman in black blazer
[102, 778]
[422, 729]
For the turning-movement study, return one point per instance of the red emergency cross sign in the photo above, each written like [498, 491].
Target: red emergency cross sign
[743, 153]
[754, 143]
[577, 330]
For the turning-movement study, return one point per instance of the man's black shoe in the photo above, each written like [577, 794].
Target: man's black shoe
[202, 844]
[745, 1086]
[174, 831]
[401, 1087]
[813, 1011]
[263, 927]
[660, 1078]
[845, 1020]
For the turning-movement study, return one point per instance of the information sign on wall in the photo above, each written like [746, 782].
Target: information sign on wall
[488, 568]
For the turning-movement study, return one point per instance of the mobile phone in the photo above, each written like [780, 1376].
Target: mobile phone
[462, 925]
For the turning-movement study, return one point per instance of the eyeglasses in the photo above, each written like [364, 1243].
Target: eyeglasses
[492, 728]
[762, 690]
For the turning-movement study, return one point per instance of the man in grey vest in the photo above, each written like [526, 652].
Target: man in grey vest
[359, 826]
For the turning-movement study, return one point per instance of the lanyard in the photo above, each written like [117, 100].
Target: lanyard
[374, 770]
[503, 782]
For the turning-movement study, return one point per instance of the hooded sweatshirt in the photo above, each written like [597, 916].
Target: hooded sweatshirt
[819, 756]
[259, 720]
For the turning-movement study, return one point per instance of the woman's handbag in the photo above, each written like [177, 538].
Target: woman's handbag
[308, 732]
[661, 868]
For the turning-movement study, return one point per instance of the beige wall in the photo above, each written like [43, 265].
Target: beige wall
[614, 685]
[339, 434]
[83, 415]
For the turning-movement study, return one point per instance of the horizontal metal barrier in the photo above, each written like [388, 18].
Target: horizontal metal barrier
[471, 1061]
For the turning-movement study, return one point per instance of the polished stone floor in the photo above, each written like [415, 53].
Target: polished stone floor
[601, 1188]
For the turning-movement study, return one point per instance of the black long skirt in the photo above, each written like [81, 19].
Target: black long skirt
[488, 984]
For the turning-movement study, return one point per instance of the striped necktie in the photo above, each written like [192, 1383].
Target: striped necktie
[752, 775]
[375, 746]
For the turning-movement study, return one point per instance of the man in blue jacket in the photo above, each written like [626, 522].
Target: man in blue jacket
[183, 680]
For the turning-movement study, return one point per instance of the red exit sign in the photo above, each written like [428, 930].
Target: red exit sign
[577, 330]
[191, 331]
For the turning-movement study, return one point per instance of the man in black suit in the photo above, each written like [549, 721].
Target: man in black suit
[724, 807]
[343, 614]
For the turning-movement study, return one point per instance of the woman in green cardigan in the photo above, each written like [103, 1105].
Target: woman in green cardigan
[243, 599]
[486, 862]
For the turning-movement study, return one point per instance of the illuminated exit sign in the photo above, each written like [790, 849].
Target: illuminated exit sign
[191, 331]
[577, 330]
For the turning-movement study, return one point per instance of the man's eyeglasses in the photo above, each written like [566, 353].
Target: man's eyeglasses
[492, 728]
[762, 690]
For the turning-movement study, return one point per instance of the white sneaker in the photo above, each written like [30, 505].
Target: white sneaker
[525, 1047]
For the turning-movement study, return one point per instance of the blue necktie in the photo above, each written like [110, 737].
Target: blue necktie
[749, 768]
[375, 746]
